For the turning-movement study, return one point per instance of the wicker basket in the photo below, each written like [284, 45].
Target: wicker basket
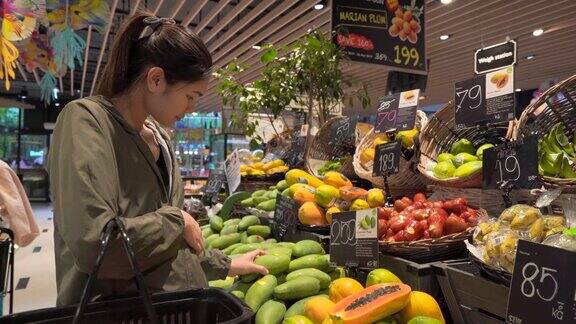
[407, 181]
[557, 104]
[438, 136]
[321, 151]
[430, 250]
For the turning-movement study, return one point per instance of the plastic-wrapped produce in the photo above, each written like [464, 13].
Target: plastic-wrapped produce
[566, 240]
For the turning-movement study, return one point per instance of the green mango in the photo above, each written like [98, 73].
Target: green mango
[444, 157]
[480, 150]
[468, 169]
[463, 158]
[462, 145]
[258, 193]
[444, 170]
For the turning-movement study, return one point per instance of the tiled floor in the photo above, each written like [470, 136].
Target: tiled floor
[35, 277]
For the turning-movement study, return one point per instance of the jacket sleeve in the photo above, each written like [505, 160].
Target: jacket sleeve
[84, 185]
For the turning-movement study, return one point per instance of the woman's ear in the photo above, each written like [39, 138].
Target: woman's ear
[156, 80]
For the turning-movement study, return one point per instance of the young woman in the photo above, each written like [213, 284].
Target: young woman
[108, 158]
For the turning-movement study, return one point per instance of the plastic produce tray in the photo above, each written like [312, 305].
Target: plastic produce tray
[471, 298]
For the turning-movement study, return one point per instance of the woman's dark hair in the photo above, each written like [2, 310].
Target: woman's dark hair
[146, 41]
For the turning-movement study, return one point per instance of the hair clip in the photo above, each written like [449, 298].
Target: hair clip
[153, 23]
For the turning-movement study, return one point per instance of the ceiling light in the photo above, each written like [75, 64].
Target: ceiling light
[23, 94]
[530, 57]
[57, 104]
[538, 32]
[444, 37]
[446, 1]
[518, 90]
[319, 6]
[256, 47]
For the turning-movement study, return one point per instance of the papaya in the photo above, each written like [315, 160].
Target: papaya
[216, 223]
[242, 286]
[297, 319]
[271, 240]
[259, 199]
[282, 185]
[359, 204]
[232, 222]
[261, 230]
[299, 176]
[248, 221]
[281, 278]
[322, 277]
[238, 294]
[272, 194]
[229, 203]
[297, 186]
[326, 195]
[207, 232]
[303, 194]
[279, 250]
[250, 277]
[260, 292]
[350, 193]
[254, 239]
[316, 261]
[248, 202]
[229, 229]
[344, 287]
[286, 192]
[339, 272]
[268, 245]
[258, 193]
[225, 241]
[420, 304]
[371, 304]
[311, 214]
[286, 244]
[318, 309]
[380, 276]
[424, 320]
[225, 284]
[231, 248]
[297, 288]
[271, 312]
[306, 247]
[268, 205]
[299, 307]
[330, 213]
[243, 237]
[336, 179]
[244, 248]
[209, 239]
[276, 264]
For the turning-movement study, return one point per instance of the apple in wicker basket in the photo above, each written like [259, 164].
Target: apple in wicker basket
[418, 218]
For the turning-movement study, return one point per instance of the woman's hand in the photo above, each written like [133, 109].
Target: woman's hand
[192, 233]
[245, 264]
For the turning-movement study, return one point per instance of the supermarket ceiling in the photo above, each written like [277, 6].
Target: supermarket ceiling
[231, 28]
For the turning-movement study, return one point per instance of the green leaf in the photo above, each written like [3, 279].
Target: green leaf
[268, 56]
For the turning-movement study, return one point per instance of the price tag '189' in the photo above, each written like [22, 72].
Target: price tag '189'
[387, 159]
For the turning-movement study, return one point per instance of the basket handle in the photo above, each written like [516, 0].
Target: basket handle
[113, 226]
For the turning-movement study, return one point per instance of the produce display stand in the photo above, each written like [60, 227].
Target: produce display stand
[252, 183]
[471, 298]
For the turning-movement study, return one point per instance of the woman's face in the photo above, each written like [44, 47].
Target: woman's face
[168, 103]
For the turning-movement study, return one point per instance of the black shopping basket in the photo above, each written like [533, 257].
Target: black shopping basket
[204, 305]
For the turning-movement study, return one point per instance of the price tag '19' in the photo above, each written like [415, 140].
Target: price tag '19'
[513, 162]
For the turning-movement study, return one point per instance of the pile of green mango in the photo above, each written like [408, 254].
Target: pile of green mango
[265, 199]
[556, 153]
[297, 272]
[463, 160]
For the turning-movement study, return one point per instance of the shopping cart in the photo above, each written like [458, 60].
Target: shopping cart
[205, 305]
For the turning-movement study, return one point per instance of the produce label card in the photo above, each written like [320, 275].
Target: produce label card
[342, 140]
[354, 239]
[215, 181]
[485, 99]
[285, 216]
[387, 159]
[233, 171]
[515, 162]
[381, 32]
[543, 289]
[397, 111]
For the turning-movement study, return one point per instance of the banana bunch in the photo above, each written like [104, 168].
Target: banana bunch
[557, 153]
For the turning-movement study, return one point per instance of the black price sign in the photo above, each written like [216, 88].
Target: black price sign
[294, 157]
[515, 162]
[543, 288]
[343, 136]
[285, 217]
[354, 239]
[397, 111]
[485, 99]
[215, 181]
[387, 159]
[381, 32]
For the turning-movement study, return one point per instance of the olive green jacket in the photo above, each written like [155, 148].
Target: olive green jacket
[100, 168]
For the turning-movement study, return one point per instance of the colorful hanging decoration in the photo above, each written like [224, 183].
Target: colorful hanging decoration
[81, 14]
[67, 45]
[18, 20]
[39, 54]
